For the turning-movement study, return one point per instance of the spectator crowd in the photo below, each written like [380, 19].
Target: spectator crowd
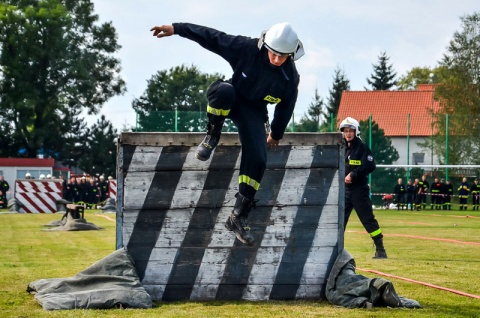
[413, 195]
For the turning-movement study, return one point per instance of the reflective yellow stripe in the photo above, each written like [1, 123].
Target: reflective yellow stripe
[355, 162]
[376, 233]
[246, 179]
[272, 100]
[217, 112]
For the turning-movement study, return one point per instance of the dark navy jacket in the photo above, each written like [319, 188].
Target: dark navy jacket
[359, 161]
[256, 81]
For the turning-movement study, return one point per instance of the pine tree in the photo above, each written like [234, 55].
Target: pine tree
[340, 83]
[383, 77]
[310, 122]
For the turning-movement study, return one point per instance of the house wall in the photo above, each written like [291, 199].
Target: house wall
[400, 143]
[11, 173]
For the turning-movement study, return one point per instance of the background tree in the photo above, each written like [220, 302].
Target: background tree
[460, 95]
[100, 152]
[310, 122]
[340, 83]
[384, 153]
[422, 75]
[182, 89]
[383, 77]
[56, 62]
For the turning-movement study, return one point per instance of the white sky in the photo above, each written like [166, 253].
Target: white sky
[350, 34]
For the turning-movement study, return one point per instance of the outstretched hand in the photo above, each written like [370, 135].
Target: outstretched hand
[163, 30]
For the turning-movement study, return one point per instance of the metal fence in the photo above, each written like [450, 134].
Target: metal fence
[384, 179]
[452, 135]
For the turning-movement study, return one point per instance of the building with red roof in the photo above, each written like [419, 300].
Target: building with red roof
[399, 114]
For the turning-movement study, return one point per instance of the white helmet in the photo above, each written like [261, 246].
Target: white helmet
[352, 123]
[283, 39]
[42, 176]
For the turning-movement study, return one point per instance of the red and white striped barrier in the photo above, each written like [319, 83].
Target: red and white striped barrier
[112, 189]
[38, 196]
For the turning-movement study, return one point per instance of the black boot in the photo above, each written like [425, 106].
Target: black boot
[204, 150]
[237, 221]
[380, 250]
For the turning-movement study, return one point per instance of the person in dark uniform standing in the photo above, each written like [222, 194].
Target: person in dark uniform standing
[410, 190]
[359, 163]
[426, 187]
[463, 193]
[264, 73]
[436, 193]
[447, 199]
[4, 187]
[475, 194]
[400, 194]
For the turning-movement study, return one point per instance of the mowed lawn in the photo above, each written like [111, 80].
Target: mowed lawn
[440, 248]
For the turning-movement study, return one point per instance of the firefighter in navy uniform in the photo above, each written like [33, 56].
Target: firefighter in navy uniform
[447, 200]
[463, 193]
[410, 190]
[400, 191]
[436, 192]
[264, 73]
[475, 194]
[359, 163]
[426, 187]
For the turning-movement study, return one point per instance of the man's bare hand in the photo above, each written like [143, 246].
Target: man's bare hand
[272, 143]
[163, 30]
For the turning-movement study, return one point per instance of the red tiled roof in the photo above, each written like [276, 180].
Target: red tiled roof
[390, 109]
[26, 162]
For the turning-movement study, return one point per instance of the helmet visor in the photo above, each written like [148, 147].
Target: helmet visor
[276, 52]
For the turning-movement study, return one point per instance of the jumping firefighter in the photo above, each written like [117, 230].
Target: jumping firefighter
[359, 163]
[264, 73]
[463, 192]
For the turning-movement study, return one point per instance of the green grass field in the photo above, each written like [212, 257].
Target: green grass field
[436, 247]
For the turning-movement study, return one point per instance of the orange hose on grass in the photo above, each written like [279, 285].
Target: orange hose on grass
[420, 283]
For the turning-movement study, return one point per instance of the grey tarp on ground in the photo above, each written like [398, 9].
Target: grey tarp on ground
[109, 283]
[68, 223]
[348, 289]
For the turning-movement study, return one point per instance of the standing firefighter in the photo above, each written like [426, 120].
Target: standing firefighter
[463, 193]
[447, 200]
[475, 194]
[264, 73]
[436, 191]
[410, 190]
[400, 194]
[359, 163]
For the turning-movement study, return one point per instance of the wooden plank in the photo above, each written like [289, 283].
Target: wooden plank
[230, 139]
[187, 191]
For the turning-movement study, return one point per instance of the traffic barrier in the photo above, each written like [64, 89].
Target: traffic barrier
[112, 189]
[38, 196]
[173, 207]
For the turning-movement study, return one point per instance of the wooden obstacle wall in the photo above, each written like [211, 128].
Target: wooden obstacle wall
[172, 208]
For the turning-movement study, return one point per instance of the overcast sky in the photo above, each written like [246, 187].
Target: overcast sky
[349, 34]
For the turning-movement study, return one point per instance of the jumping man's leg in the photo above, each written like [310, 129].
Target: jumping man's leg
[250, 122]
[221, 96]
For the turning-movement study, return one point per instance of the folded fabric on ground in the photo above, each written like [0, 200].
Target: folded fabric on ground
[109, 283]
[348, 289]
[68, 223]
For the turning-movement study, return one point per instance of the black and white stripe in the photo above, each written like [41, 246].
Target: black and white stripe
[173, 223]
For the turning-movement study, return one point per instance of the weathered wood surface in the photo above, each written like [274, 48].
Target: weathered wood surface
[174, 208]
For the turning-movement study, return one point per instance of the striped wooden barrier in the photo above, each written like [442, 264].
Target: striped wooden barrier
[112, 189]
[38, 196]
[173, 208]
